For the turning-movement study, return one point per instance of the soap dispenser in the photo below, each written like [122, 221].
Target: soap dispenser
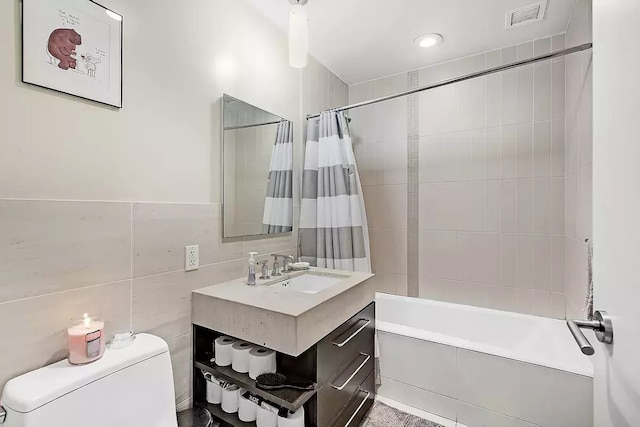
[252, 269]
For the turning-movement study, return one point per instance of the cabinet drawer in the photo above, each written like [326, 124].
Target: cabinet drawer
[336, 394]
[338, 349]
[358, 406]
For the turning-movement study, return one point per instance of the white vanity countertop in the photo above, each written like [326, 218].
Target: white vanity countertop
[278, 318]
[279, 300]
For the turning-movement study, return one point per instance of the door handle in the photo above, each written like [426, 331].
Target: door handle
[601, 325]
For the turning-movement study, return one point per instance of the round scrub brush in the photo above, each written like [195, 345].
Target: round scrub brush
[274, 381]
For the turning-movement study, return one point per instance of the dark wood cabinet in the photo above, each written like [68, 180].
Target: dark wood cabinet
[341, 364]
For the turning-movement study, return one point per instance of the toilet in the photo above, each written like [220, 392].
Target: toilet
[127, 387]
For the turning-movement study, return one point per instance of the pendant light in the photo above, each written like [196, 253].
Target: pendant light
[298, 34]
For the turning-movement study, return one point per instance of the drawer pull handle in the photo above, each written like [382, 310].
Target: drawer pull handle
[350, 337]
[359, 407]
[367, 357]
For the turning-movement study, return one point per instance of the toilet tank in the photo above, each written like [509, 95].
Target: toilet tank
[127, 387]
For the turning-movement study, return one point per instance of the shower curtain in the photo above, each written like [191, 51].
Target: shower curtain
[278, 205]
[333, 222]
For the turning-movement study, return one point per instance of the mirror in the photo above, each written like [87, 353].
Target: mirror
[257, 171]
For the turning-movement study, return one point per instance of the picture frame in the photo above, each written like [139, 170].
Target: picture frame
[73, 47]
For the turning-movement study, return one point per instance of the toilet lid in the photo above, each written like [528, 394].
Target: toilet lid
[196, 417]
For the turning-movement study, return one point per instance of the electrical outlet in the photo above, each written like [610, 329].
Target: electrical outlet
[191, 257]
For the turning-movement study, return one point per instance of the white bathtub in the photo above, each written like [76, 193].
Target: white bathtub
[482, 367]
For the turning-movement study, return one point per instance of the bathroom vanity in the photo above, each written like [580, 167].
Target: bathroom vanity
[321, 323]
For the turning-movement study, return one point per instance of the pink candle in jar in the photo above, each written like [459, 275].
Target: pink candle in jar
[85, 339]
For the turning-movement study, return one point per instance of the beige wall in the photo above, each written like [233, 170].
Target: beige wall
[579, 160]
[490, 175]
[97, 204]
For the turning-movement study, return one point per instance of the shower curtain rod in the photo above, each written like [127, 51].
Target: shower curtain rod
[516, 64]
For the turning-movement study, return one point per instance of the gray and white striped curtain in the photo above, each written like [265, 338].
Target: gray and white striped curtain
[333, 221]
[278, 205]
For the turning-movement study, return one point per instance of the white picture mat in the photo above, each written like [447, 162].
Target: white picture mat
[98, 78]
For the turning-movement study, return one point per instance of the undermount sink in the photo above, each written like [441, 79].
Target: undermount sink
[309, 283]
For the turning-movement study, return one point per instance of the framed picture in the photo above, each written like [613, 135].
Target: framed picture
[74, 47]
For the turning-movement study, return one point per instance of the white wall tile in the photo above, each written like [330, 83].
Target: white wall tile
[493, 58]
[480, 254]
[525, 150]
[492, 205]
[557, 147]
[471, 206]
[524, 51]
[162, 230]
[508, 55]
[557, 42]
[557, 263]
[542, 149]
[542, 91]
[161, 304]
[439, 205]
[501, 298]
[541, 206]
[492, 152]
[525, 266]
[509, 206]
[509, 152]
[471, 104]
[525, 205]
[439, 254]
[558, 305]
[438, 110]
[493, 98]
[556, 204]
[395, 161]
[508, 259]
[542, 46]
[524, 300]
[53, 246]
[509, 97]
[478, 155]
[542, 262]
[525, 93]
[37, 335]
[394, 206]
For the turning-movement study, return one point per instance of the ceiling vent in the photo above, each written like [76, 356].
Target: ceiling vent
[526, 15]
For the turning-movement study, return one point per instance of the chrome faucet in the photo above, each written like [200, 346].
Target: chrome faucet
[287, 259]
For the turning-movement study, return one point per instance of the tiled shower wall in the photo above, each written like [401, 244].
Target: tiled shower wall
[120, 259]
[579, 160]
[490, 173]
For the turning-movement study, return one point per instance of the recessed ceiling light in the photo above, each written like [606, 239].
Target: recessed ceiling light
[429, 40]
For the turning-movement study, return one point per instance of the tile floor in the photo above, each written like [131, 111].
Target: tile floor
[382, 415]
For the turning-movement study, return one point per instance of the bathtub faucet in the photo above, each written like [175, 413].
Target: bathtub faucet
[601, 325]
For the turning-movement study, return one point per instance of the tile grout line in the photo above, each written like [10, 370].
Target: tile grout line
[413, 192]
[131, 270]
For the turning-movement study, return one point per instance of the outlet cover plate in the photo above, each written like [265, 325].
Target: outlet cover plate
[191, 257]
